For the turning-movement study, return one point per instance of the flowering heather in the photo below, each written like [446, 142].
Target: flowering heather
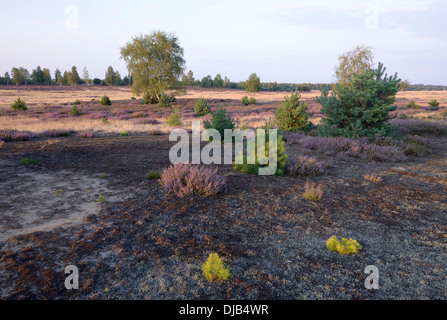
[97, 115]
[155, 132]
[366, 149]
[189, 180]
[305, 165]
[87, 134]
[373, 177]
[312, 191]
[15, 135]
[419, 127]
[145, 121]
[56, 133]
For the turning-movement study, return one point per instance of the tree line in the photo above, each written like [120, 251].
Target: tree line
[43, 76]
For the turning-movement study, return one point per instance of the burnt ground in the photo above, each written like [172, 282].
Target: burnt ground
[145, 244]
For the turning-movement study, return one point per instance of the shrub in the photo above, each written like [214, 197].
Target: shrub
[420, 127]
[26, 161]
[164, 101]
[305, 165]
[74, 111]
[413, 105]
[19, 104]
[153, 175]
[362, 108]
[245, 101]
[252, 101]
[175, 118]
[124, 133]
[373, 177]
[105, 120]
[292, 115]
[279, 151]
[214, 269]
[101, 199]
[416, 146]
[132, 98]
[15, 135]
[345, 246]
[434, 103]
[201, 108]
[148, 99]
[77, 102]
[312, 191]
[220, 121]
[105, 101]
[186, 180]
[87, 134]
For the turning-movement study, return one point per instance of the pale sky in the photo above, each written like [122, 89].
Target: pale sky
[282, 40]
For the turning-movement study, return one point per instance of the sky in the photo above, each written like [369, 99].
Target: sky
[283, 40]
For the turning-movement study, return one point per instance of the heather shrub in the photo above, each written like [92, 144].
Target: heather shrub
[345, 246]
[434, 103]
[105, 101]
[175, 118]
[15, 135]
[87, 134]
[362, 108]
[412, 105]
[305, 165]
[373, 177]
[57, 133]
[420, 127]
[292, 115]
[220, 120]
[19, 104]
[245, 101]
[164, 101]
[416, 146]
[312, 191]
[214, 269]
[186, 180]
[201, 108]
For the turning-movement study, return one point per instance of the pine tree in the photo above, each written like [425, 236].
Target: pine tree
[362, 108]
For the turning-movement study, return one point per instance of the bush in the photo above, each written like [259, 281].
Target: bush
[186, 180]
[279, 150]
[245, 101]
[74, 111]
[419, 127]
[292, 115]
[214, 269]
[175, 118]
[252, 101]
[19, 104]
[105, 101]
[201, 108]
[77, 102]
[434, 103]
[312, 191]
[124, 133]
[15, 135]
[26, 161]
[362, 108]
[373, 177]
[305, 165]
[220, 121]
[413, 105]
[148, 99]
[164, 101]
[132, 98]
[345, 246]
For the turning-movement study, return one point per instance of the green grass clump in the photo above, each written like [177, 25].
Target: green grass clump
[153, 175]
[345, 246]
[105, 101]
[19, 104]
[101, 199]
[214, 269]
[26, 161]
